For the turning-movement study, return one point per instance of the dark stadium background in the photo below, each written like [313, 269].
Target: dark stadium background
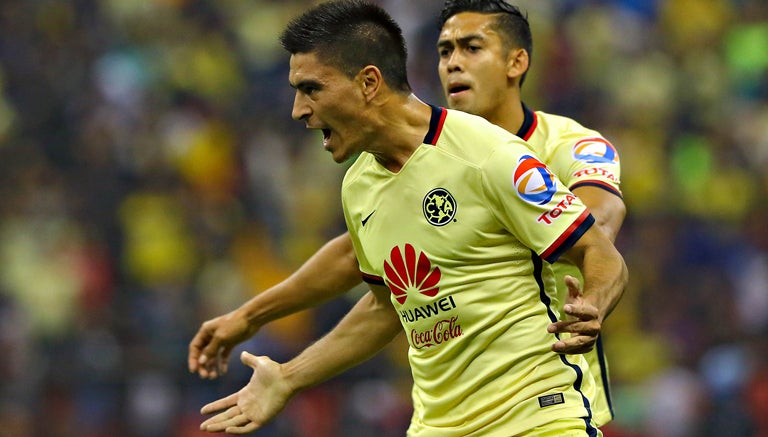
[152, 178]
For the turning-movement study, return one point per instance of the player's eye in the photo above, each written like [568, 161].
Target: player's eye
[308, 89]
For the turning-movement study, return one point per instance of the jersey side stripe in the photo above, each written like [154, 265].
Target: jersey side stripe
[537, 269]
[604, 374]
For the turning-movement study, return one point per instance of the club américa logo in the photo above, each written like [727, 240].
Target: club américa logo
[439, 207]
[405, 271]
[595, 151]
[533, 181]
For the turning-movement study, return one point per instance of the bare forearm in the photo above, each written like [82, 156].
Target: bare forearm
[330, 272]
[602, 268]
[605, 277]
[363, 332]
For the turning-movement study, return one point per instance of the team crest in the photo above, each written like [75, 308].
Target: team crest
[533, 181]
[439, 207]
[595, 151]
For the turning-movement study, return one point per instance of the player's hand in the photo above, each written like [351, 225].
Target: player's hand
[582, 322]
[265, 395]
[209, 350]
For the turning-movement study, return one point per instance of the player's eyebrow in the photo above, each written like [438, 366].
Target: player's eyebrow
[303, 85]
[464, 40]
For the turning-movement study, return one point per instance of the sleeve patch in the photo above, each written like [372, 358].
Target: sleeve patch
[595, 150]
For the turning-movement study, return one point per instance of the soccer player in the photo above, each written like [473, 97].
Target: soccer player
[484, 50]
[454, 222]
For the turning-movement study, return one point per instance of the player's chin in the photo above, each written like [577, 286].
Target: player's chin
[459, 103]
[339, 153]
[338, 157]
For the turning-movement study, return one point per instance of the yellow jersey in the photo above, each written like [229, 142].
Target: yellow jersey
[460, 235]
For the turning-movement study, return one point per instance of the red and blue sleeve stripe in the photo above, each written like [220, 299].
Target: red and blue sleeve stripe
[598, 184]
[569, 237]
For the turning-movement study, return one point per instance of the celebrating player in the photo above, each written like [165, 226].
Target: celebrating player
[454, 222]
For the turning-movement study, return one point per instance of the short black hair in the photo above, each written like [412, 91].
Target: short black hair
[511, 23]
[349, 35]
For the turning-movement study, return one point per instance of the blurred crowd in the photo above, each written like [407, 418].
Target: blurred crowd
[153, 179]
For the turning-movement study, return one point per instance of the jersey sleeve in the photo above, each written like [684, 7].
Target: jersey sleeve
[532, 203]
[586, 159]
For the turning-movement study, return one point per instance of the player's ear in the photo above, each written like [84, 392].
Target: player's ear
[517, 62]
[370, 81]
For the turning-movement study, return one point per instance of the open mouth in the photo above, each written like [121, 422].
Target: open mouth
[457, 89]
[326, 137]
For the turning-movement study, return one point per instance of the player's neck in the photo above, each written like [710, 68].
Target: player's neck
[510, 116]
[402, 129]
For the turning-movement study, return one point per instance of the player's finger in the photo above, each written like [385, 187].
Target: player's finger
[195, 350]
[220, 404]
[245, 429]
[582, 312]
[249, 359]
[570, 350]
[225, 415]
[206, 367]
[214, 424]
[211, 351]
[590, 328]
[577, 344]
[220, 363]
[559, 327]
[232, 418]
[573, 283]
[209, 363]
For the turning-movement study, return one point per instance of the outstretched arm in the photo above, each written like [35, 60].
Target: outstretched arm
[364, 331]
[330, 272]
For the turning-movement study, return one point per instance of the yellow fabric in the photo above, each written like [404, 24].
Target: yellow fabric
[455, 241]
[577, 155]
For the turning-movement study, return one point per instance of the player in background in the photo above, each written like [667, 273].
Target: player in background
[485, 50]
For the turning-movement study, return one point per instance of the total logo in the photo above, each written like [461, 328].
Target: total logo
[552, 215]
[595, 151]
[533, 181]
[596, 171]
